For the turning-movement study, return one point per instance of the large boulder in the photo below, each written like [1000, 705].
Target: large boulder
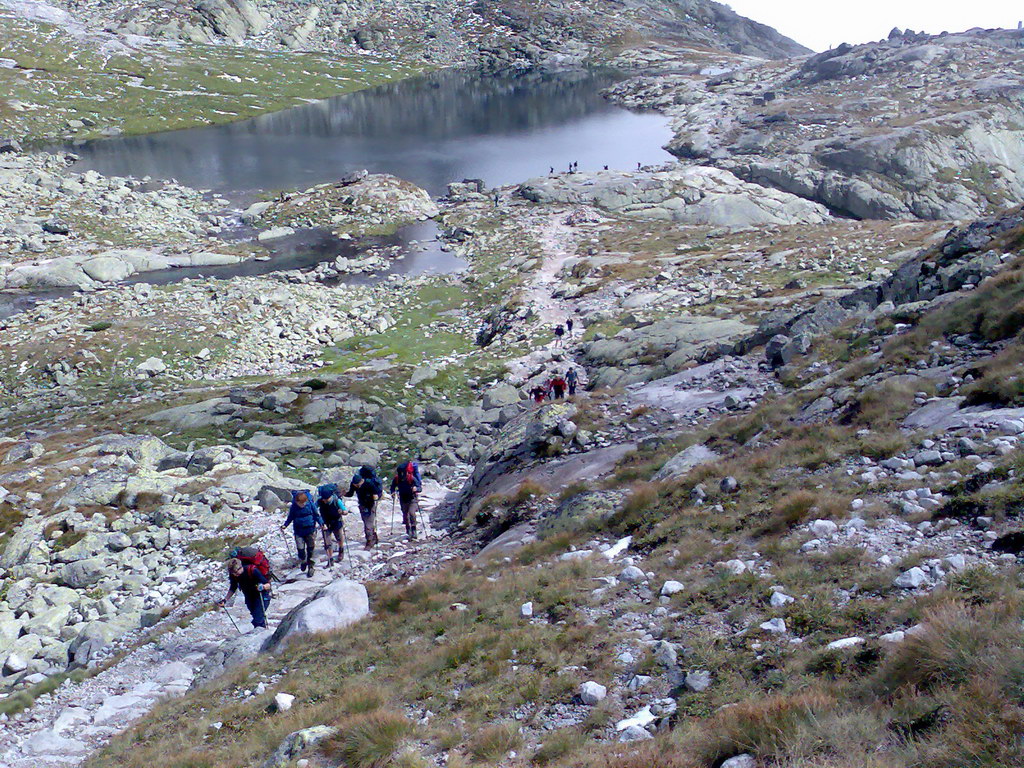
[107, 269]
[340, 603]
[279, 444]
[83, 573]
[534, 434]
[575, 511]
[694, 195]
[231, 654]
[684, 461]
[500, 396]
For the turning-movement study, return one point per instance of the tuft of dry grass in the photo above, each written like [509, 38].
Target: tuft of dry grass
[369, 739]
[494, 742]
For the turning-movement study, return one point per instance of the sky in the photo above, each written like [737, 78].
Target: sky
[823, 24]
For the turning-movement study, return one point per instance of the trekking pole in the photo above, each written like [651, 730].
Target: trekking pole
[225, 609]
[392, 514]
[287, 546]
[344, 544]
[423, 518]
[327, 548]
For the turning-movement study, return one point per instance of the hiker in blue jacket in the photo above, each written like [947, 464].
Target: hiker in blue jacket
[304, 518]
[408, 484]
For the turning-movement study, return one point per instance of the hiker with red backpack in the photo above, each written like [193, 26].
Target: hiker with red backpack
[304, 518]
[408, 484]
[557, 386]
[255, 588]
[538, 394]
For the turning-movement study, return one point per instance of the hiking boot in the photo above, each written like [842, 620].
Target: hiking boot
[309, 573]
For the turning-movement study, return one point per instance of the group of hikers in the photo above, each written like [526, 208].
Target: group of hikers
[561, 331]
[556, 387]
[249, 570]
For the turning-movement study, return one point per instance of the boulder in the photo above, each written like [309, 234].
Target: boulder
[153, 366]
[231, 654]
[531, 435]
[340, 603]
[592, 693]
[82, 573]
[106, 269]
[684, 461]
[573, 513]
[389, 421]
[500, 396]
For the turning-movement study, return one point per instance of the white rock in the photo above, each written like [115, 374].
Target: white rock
[154, 366]
[955, 562]
[526, 610]
[846, 642]
[740, 761]
[777, 626]
[823, 528]
[911, 579]
[641, 719]
[617, 548]
[779, 599]
[632, 574]
[735, 567]
[283, 701]
[592, 693]
[893, 637]
[671, 587]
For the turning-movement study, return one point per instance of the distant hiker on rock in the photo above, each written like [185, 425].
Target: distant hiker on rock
[368, 489]
[557, 386]
[408, 484]
[568, 326]
[538, 394]
[559, 335]
[331, 509]
[304, 518]
[572, 379]
[255, 587]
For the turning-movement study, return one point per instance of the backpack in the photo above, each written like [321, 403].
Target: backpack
[251, 556]
[411, 470]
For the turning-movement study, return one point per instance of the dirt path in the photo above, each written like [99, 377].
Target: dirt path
[64, 727]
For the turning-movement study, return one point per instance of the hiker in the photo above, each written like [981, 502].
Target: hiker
[408, 484]
[559, 333]
[331, 510]
[538, 394]
[368, 490]
[304, 518]
[255, 589]
[572, 379]
[557, 386]
[568, 326]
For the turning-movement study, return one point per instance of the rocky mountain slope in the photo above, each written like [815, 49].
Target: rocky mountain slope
[496, 33]
[778, 524]
[916, 126]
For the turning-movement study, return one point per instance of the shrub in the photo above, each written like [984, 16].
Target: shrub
[369, 740]
[103, 325]
[957, 643]
[492, 743]
[762, 726]
[557, 745]
[791, 510]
